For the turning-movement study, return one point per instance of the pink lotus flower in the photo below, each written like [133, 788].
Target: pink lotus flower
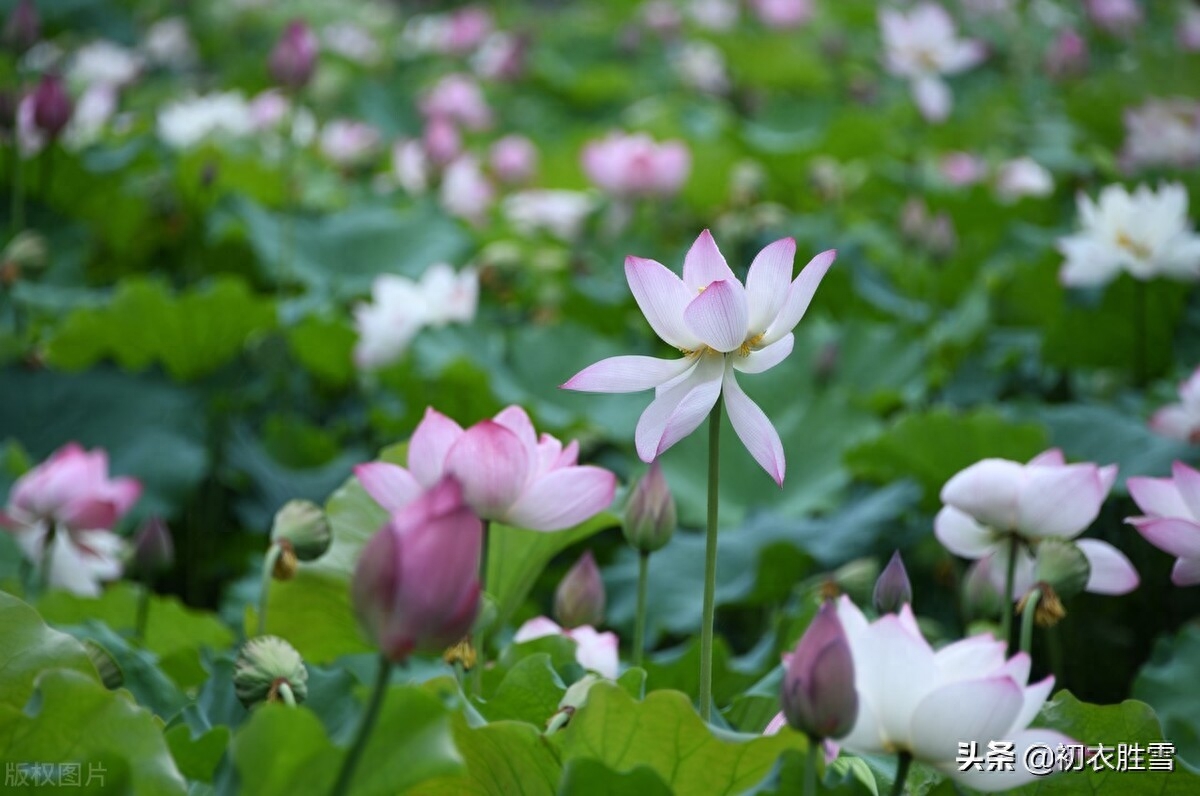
[467, 28]
[594, 651]
[1172, 518]
[1068, 55]
[634, 165]
[720, 327]
[1115, 16]
[1188, 31]
[349, 143]
[441, 140]
[782, 14]
[513, 159]
[457, 97]
[926, 702]
[416, 585]
[466, 191]
[1182, 420]
[995, 499]
[923, 45]
[1162, 132]
[508, 475]
[962, 168]
[411, 166]
[64, 508]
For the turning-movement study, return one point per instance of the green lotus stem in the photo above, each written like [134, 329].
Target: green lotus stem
[1031, 603]
[272, 558]
[1140, 351]
[17, 216]
[480, 639]
[1009, 576]
[901, 773]
[43, 583]
[342, 786]
[710, 562]
[639, 625]
[285, 693]
[810, 770]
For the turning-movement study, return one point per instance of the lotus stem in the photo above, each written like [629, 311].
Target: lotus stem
[710, 562]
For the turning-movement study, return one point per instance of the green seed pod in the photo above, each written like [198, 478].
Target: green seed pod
[303, 524]
[264, 664]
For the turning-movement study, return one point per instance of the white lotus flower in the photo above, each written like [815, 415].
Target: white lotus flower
[561, 213]
[1182, 420]
[401, 307]
[104, 62]
[1146, 233]
[914, 699]
[923, 45]
[185, 123]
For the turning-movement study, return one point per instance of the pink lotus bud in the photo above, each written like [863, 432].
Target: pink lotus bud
[24, 26]
[294, 58]
[818, 695]
[579, 599]
[52, 105]
[782, 14]
[650, 517]
[153, 549]
[442, 140]
[1068, 55]
[416, 585]
[893, 589]
[513, 159]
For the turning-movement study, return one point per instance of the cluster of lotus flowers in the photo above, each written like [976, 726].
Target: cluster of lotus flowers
[871, 686]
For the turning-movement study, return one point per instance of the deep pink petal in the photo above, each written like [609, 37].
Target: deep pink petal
[627, 374]
[678, 411]
[389, 485]
[800, 295]
[563, 498]
[493, 467]
[662, 298]
[1112, 572]
[767, 357]
[431, 441]
[704, 264]
[754, 428]
[768, 281]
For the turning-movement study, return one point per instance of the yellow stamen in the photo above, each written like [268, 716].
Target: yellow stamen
[1138, 250]
[750, 345]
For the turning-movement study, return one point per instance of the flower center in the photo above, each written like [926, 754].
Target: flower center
[750, 345]
[1138, 250]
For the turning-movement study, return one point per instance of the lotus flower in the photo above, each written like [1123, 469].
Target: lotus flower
[508, 475]
[1172, 518]
[401, 307]
[294, 58]
[416, 585]
[1146, 233]
[459, 98]
[628, 166]
[466, 191]
[994, 500]
[1162, 133]
[349, 143]
[595, 651]
[914, 699]
[513, 159]
[720, 326]
[923, 45]
[1022, 177]
[1182, 420]
[64, 508]
[1115, 16]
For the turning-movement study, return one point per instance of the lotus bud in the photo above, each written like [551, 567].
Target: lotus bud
[265, 665]
[416, 585]
[650, 513]
[893, 589]
[52, 106]
[153, 549]
[24, 27]
[305, 527]
[579, 599]
[294, 58]
[818, 695]
[979, 593]
[1061, 565]
[573, 700]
